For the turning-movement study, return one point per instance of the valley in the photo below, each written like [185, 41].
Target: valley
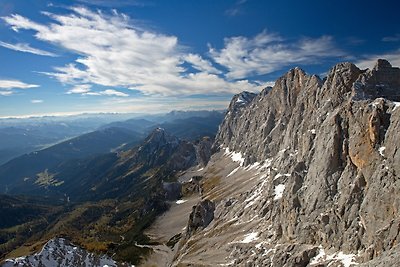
[272, 189]
[153, 133]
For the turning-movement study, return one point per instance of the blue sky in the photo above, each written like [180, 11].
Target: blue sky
[68, 57]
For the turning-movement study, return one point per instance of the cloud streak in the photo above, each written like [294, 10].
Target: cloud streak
[236, 9]
[268, 52]
[112, 3]
[7, 86]
[86, 90]
[15, 84]
[394, 38]
[21, 47]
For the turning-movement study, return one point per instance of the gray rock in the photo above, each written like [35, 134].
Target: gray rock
[201, 216]
[60, 252]
[331, 149]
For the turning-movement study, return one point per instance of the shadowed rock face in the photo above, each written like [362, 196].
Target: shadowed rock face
[327, 155]
[382, 81]
[201, 216]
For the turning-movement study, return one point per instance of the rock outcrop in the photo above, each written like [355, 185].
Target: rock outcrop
[310, 170]
[201, 216]
[62, 253]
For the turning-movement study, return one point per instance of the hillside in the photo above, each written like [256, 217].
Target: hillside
[31, 170]
[305, 174]
[104, 202]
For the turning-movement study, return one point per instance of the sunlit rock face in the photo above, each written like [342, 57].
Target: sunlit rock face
[305, 173]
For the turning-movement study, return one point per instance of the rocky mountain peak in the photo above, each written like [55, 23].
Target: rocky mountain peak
[382, 64]
[160, 137]
[241, 100]
[60, 252]
[307, 174]
[382, 81]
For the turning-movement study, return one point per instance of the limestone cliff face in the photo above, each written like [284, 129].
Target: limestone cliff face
[310, 170]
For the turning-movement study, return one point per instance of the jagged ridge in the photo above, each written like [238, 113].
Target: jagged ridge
[322, 172]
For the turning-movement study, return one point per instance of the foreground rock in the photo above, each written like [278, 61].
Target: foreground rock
[306, 174]
[60, 252]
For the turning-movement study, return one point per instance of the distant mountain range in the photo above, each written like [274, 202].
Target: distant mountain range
[21, 136]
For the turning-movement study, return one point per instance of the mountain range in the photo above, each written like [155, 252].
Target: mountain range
[301, 174]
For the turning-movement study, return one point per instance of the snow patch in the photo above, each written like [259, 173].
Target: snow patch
[396, 105]
[278, 191]
[200, 169]
[252, 166]
[346, 259]
[180, 201]
[257, 194]
[235, 156]
[232, 172]
[59, 252]
[280, 175]
[382, 150]
[250, 238]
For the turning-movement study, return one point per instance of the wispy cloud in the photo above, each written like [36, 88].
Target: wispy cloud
[113, 52]
[86, 89]
[6, 93]
[108, 92]
[200, 63]
[153, 104]
[80, 89]
[7, 86]
[27, 49]
[394, 38]
[36, 101]
[113, 3]
[268, 52]
[15, 84]
[236, 9]
[368, 61]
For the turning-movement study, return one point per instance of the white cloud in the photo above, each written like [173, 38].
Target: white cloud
[36, 101]
[115, 53]
[267, 52]
[19, 22]
[108, 92]
[86, 89]
[15, 84]
[80, 89]
[112, 92]
[368, 61]
[27, 49]
[236, 9]
[201, 64]
[6, 93]
[155, 104]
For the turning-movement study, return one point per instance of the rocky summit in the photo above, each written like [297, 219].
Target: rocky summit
[304, 174]
[60, 252]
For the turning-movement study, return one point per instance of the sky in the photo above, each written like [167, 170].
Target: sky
[148, 56]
